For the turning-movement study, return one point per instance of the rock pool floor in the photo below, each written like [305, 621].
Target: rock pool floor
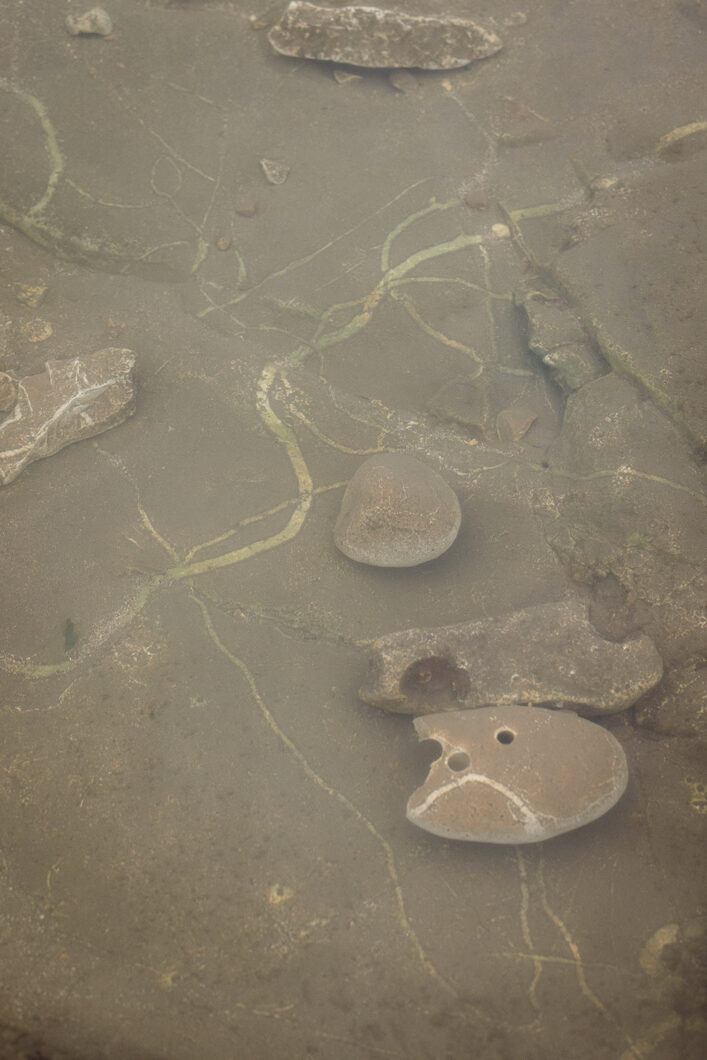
[203, 847]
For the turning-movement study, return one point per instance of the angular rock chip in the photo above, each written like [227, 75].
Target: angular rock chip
[396, 512]
[377, 37]
[71, 400]
[516, 774]
[544, 655]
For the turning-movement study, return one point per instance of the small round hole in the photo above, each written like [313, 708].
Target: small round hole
[505, 736]
[458, 761]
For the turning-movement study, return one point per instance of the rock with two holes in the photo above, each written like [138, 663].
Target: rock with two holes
[516, 774]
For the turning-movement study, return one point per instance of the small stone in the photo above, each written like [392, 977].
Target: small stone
[516, 774]
[396, 512]
[245, 206]
[223, 243]
[8, 392]
[36, 330]
[518, 18]
[545, 655]
[474, 197]
[403, 81]
[378, 37]
[94, 23]
[501, 231]
[275, 172]
[30, 295]
[513, 424]
[71, 400]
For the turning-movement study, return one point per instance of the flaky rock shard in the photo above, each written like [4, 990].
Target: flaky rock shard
[516, 774]
[70, 401]
[378, 37]
[544, 655]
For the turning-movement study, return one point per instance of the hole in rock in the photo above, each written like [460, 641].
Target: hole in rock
[435, 675]
[505, 736]
[458, 761]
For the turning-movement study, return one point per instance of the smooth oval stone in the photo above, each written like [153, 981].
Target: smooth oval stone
[396, 512]
[516, 774]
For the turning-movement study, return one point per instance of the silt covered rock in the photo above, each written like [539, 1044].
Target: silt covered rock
[380, 37]
[396, 512]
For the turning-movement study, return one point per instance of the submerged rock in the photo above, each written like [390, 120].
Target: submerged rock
[516, 774]
[8, 392]
[396, 512]
[559, 341]
[378, 37]
[94, 23]
[70, 401]
[544, 655]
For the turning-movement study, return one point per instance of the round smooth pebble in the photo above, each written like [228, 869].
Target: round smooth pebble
[516, 774]
[396, 512]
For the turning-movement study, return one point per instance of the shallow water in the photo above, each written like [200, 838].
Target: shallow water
[203, 847]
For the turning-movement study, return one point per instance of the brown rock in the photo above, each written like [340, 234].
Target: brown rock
[516, 774]
[396, 512]
[377, 37]
[545, 655]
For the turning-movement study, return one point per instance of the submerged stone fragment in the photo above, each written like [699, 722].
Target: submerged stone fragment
[396, 512]
[516, 774]
[378, 37]
[549, 654]
[8, 392]
[274, 172]
[71, 400]
[94, 23]
[559, 341]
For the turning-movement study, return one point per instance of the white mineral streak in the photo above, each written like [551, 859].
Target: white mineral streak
[531, 822]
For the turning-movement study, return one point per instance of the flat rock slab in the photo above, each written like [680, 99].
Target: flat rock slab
[70, 401]
[396, 512]
[559, 342]
[516, 774]
[549, 654]
[379, 37]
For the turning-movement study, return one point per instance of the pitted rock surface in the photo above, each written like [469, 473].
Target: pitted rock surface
[516, 774]
[550, 654]
[71, 400]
